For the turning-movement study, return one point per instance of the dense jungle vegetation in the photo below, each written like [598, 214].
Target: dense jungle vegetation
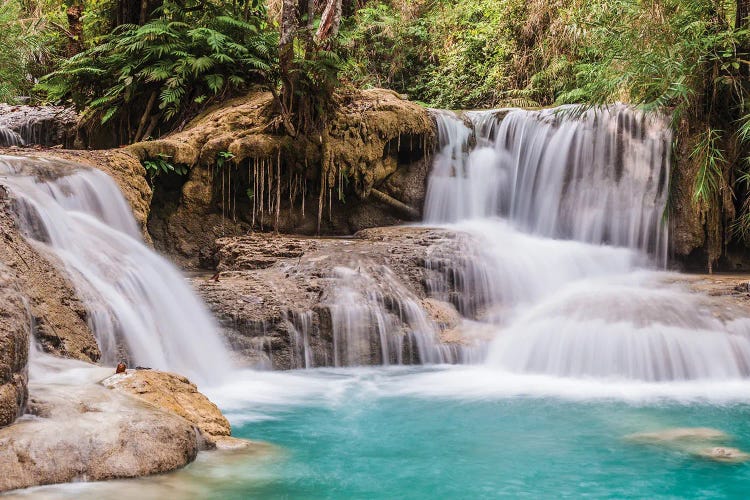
[146, 67]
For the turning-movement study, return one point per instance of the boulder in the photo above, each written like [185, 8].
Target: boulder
[174, 394]
[89, 433]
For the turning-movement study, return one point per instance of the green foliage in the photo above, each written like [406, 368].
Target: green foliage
[384, 49]
[710, 159]
[22, 42]
[161, 165]
[223, 158]
[447, 54]
[186, 57]
[487, 53]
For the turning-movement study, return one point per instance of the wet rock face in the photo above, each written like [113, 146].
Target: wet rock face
[59, 316]
[388, 295]
[15, 330]
[38, 125]
[124, 168]
[90, 433]
[61, 323]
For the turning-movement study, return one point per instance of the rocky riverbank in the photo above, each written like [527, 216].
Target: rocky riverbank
[133, 424]
[64, 425]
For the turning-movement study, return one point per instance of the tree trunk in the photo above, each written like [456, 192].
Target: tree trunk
[289, 24]
[128, 12]
[135, 11]
[145, 116]
[329, 23]
[75, 29]
[743, 11]
[289, 27]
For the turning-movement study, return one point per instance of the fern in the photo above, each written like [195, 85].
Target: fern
[183, 55]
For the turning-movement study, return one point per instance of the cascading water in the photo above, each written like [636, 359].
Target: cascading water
[368, 316]
[133, 296]
[567, 208]
[36, 125]
[9, 137]
[598, 178]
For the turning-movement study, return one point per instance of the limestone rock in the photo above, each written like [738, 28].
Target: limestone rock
[90, 433]
[374, 139]
[276, 296]
[175, 394]
[41, 125]
[122, 166]
[15, 331]
[443, 313]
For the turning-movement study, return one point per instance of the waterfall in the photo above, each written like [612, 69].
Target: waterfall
[37, 125]
[598, 178]
[565, 209]
[376, 320]
[132, 295]
[9, 137]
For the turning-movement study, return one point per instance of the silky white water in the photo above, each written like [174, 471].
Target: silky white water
[598, 178]
[9, 137]
[132, 295]
[566, 213]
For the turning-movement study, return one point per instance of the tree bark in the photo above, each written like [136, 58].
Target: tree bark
[330, 21]
[743, 11]
[145, 116]
[741, 21]
[128, 12]
[75, 29]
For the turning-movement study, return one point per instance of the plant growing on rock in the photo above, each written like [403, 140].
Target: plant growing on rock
[161, 165]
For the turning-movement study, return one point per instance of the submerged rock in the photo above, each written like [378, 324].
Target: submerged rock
[15, 330]
[699, 442]
[678, 434]
[724, 454]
